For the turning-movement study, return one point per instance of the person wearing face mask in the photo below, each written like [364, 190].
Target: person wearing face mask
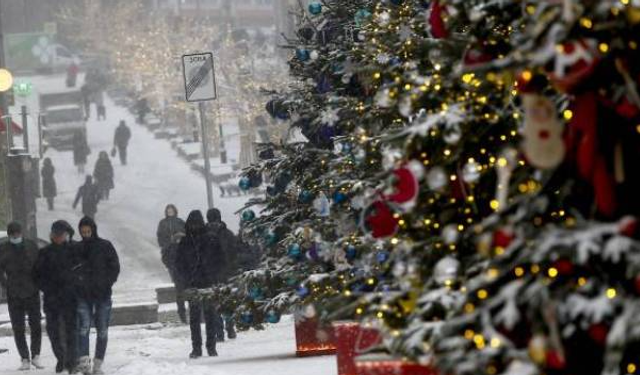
[53, 275]
[17, 258]
[96, 273]
[170, 231]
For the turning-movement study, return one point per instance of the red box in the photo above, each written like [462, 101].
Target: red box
[353, 339]
[387, 365]
[313, 338]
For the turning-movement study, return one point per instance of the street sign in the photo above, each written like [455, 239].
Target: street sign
[199, 77]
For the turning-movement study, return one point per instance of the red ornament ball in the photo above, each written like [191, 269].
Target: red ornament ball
[503, 238]
[599, 332]
[555, 361]
[564, 267]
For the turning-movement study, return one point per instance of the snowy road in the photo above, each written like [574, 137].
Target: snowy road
[140, 351]
[154, 177]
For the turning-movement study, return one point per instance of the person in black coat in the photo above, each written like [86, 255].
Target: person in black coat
[170, 231]
[17, 258]
[98, 270]
[200, 262]
[53, 274]
[90, 196]
[80, 150]
[121, 140]
[49, 188]
[229, 245]
[103, 175]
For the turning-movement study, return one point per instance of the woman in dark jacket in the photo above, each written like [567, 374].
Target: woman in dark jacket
[103, 175]
[199, 264]
[49, 188]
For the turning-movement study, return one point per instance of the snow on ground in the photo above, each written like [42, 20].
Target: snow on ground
[163, 351]
[154, 177]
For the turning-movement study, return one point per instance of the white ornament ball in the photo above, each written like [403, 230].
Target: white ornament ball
[446, 270]
[314, 55]
[471, 172]
[450, 234]
[436, 178]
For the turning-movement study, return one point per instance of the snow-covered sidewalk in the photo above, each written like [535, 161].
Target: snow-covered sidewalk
[154, 177]
[155, 350]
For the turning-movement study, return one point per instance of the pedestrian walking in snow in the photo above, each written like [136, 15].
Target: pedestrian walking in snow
[228, 245]
[72, 74]
[199, 263]
[103, 175]
[96, 273]
[170, 231]
[121, 141]
[142, 109]
[90, 196]
[80, 150]
[49, 188]
[17, 258]
[53, 274]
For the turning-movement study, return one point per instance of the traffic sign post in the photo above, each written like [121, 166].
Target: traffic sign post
[200, 86]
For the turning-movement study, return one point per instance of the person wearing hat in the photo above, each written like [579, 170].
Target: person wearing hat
[17, 258]
[53, 273]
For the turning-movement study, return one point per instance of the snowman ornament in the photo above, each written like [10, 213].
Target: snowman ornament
[543, 145]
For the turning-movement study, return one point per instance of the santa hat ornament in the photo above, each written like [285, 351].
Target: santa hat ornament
[406, 187]
[575, 61]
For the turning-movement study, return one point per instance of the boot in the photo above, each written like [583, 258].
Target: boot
[231, 334]
[212, 352]
[97, 367]
[35, 361]
[195, 353]
[26, 365]
[84, 365]
[59, 367]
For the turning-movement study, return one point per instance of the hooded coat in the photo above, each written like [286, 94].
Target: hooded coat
[122, 136]
[228, 242]
[103, 172]
[200, 261]
[90, 196]
[98, 265]
[49, 188]
[53, 271]
[170, 230]
[80, 149]
[16, 263]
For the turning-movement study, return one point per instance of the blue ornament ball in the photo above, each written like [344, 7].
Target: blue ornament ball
[305, 196]
[273, 317]
[245, 183]
[294, 251]
[302, 291]
[382, 256]
[303, 54]
[246, 318]
[248, 215]
[315, 8]
[351, 252]
[361, 17]
[255, 293]
[271, 238]
[339, 197]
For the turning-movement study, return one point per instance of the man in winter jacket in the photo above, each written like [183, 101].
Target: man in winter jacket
[53, 274]
[96, 273]
[229, 246]
[170, 231]
[90, 196]
[17, 258]
[121, 141]
[200, 263]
